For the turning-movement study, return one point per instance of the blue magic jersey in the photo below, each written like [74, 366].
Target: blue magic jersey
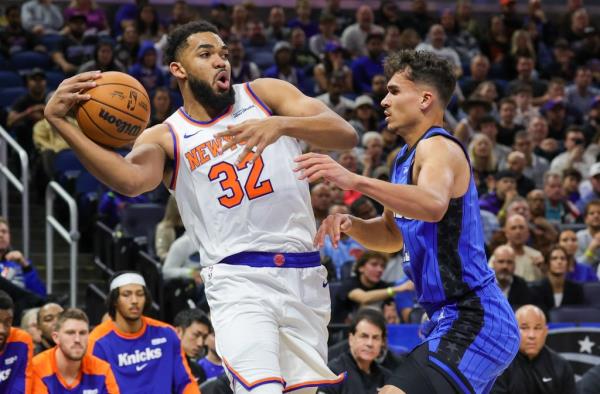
[446, 260]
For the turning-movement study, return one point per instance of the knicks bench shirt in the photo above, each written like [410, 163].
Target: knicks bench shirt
[150, 361]
[96, 376]
[15, 363]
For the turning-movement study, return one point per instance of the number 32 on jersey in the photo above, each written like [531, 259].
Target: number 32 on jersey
[227, 175]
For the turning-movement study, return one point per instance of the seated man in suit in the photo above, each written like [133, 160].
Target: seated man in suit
[513, 286]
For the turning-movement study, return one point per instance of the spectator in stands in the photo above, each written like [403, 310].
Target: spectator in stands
[148, 24]
[483, 160]
[418, 18]
[302, 57]
[521, 44]
[211, 363]
[333, 63]
[507, 127]
[327, 28]
[48, 142]
[46, 320]
[347, 251]
[536, 201]
[574, 156]
[128, 46]
[16, 349]
[479, 67]
[592, 124]
[28, 109]
[461, 40]
[525, 111]
[333, 96]
[67, 367]
[242, 70]
[364, 117]
[366, 288]
[75, 48]
[146, 70]
[104, 59]
[436, 43]
[29, 324]
[528, 261]
[41, 17]
[378, 93]
[559, 209]
[367, 339]
[372, 157]
[112, 205]
[302, 19]
[504, 190]
[589, 238]
[182, 13]
[13, 37]
[168, 229]
[536, 365]
[390, 313]
[284, 68]
[536, 165]
[239, 21]
[571, 180]
[495, 44]
[476, 107]
[488, 126]
[364, 68]
[387, 14]
[516, 163]
[354, 37]
[594, 193]
[15, 267]
[161, 105]
[363, 208]
[555, 111]
[392, 42]
[587, 50]
[563, 65]
[577, 272]
[513, 286]
[580, 20]
[94, 15]
[582, 93]
[277, 31]
[525, 66]
[183, 261]
[119, 338]
[320, 196]
[193, 327]
[547, 148]
[555, 289]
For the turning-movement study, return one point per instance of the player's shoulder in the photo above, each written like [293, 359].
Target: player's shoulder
[158, 324]
[19, 335]
[93, 365]
[439, 145]
[101, 330]
[42, 363]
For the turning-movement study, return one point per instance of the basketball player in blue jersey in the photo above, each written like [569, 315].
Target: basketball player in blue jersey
[432, 213]
[228, 156]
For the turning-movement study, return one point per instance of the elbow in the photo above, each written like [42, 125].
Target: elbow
[437, 211]
[128, 188]
[350, 139]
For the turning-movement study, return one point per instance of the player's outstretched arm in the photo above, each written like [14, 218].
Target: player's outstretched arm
[295, 115]
[141, 171]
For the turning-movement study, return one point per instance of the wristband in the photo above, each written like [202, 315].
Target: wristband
[589, 253]
[390, 291]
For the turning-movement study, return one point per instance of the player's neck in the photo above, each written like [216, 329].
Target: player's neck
[69, 369]
[128, 326]
[213, 357]
[416, 131]
[198, 111]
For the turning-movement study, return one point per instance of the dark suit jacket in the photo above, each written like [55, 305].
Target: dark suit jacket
[519, 293]
[544, 298]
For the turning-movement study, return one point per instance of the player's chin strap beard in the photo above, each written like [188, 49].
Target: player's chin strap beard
[205, 95]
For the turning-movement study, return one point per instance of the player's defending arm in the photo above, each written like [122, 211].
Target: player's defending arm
[295, 115]
[142, 169]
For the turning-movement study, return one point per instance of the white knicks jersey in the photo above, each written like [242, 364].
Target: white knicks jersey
[228, 208]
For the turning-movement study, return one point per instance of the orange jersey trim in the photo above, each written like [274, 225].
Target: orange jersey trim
[19, 335]
[316, 383]
[249, 385]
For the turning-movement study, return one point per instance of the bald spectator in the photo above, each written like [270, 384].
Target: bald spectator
[320, 197]
[354, 37]
[513, 286]
[436, 43]
[527, 260]
[536, 368]
[516, 163]
[581, 94]
[46, 320]
[559, 209]
[536, 201]
[574, 156]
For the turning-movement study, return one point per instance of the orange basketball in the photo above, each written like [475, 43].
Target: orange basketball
[117, 112]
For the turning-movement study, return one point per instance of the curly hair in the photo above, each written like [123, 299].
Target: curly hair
[425, 67]
[177, 40]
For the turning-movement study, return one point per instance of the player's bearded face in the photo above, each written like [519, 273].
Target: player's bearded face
[72, 339]
[131, 302]
[208, 97]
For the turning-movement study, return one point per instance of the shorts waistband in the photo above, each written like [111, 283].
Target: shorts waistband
[274, 260]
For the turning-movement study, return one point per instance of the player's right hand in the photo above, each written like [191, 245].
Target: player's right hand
[69, 93]
[332, 226]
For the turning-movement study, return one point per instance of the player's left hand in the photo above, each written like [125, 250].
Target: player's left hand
[255, 133]
[314, 166]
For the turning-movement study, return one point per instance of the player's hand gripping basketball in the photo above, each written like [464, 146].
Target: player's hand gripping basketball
[255, 133]
[333, 226]
[70, 92]
[314, 166]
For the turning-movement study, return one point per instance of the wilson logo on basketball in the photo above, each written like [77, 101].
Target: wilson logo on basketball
[121, 125]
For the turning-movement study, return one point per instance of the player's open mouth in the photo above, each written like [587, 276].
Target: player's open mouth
[222, 80]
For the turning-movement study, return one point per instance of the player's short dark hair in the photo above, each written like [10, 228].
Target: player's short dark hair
[70, 313]
[6, 303]
[113, 296]
[177, 40]
[425, 67]
[366, 256]
[373, 316]
[187, 317]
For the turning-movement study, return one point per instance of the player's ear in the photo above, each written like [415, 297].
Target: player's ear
[427, 100]
[55, 336]
[177, 70]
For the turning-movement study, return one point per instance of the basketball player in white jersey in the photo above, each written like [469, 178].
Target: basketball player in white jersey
[227, 157]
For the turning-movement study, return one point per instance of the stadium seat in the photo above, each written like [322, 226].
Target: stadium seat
[27, 60]
[10, 79]
[574, 314]
[139, 219]
[263, 59]
[54, 78]
[591, 293]
[51, 41]
[10, 95]
[346, 271]
[67, 167]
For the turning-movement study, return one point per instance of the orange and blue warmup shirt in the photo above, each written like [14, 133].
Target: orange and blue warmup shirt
[150, 361]
[15, 363]
[95, 376]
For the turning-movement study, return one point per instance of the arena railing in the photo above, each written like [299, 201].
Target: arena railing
[21, 185]
[71, 236]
